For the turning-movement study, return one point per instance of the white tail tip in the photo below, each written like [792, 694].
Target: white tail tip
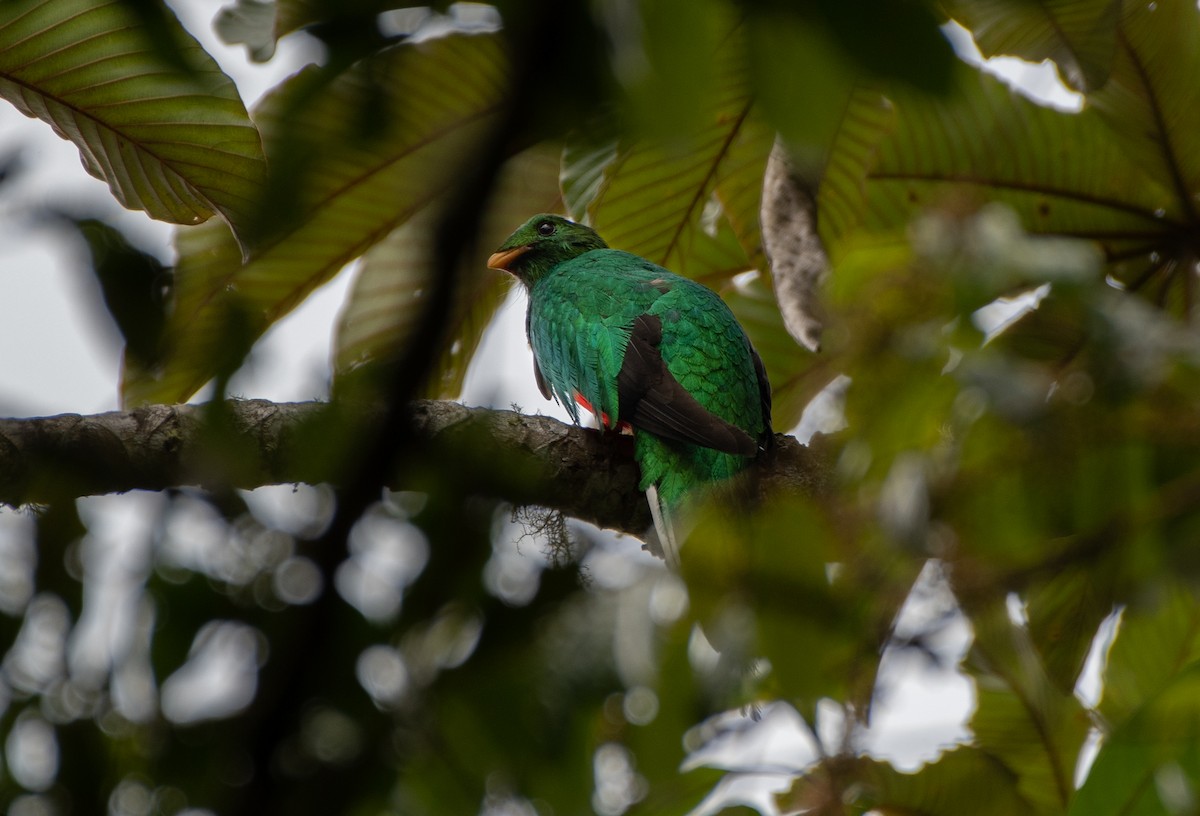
[664, 528]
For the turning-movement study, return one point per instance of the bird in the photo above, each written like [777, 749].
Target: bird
[646, 351]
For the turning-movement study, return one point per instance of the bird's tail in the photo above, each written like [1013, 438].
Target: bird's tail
[663, 527]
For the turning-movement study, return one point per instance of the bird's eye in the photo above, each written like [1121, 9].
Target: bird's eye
[545, 228]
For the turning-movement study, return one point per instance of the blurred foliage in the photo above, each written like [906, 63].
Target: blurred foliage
[1014, 507]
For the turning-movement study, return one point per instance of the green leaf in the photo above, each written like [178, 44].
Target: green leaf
[663, 200]
[758, 599]
[1151, 764]
[802, 82]
[173, 141]
[386, 298]
[1079, 35]
[1066, 610]
[1156, 641]
[1152, 102]
[964, 780]
[1064, 614]
[428, 105]
[1062, 173]
[1021, 717]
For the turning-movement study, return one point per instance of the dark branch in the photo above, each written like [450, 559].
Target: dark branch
[525, 460]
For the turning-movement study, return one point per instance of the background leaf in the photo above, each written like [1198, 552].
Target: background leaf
[377, 318]
[342, 183]
[1080, 36]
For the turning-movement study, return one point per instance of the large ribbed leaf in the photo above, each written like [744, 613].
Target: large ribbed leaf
[1152, 102]
[428, 106]
[1062, 173]
[176, 143]
[1079, 35]
[1125, 172]
[662, 200]
[654, 199]
[386, 299]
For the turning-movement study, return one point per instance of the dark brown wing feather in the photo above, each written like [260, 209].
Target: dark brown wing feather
[653, 400]
[764, 396]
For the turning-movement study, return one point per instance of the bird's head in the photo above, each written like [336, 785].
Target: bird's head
[540, 244]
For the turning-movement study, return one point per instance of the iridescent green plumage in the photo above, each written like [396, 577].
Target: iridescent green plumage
[639, 345]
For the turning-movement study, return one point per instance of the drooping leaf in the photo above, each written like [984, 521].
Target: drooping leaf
[1079, 35]
[169, 138]
[377, 318]
[427, 106]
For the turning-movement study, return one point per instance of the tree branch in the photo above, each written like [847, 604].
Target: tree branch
[522, 459]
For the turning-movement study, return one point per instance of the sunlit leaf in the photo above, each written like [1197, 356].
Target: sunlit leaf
[431, 105]
[174, 142]
[1079, 35]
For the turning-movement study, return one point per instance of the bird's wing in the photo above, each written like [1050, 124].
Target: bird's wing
[578, 337]
[653, 400]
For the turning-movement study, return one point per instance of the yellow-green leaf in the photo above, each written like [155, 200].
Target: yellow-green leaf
[173, 141]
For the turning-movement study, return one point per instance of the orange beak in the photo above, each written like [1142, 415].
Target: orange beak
[501, 260]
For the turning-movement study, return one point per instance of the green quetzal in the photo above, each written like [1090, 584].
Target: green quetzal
[641, 347]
